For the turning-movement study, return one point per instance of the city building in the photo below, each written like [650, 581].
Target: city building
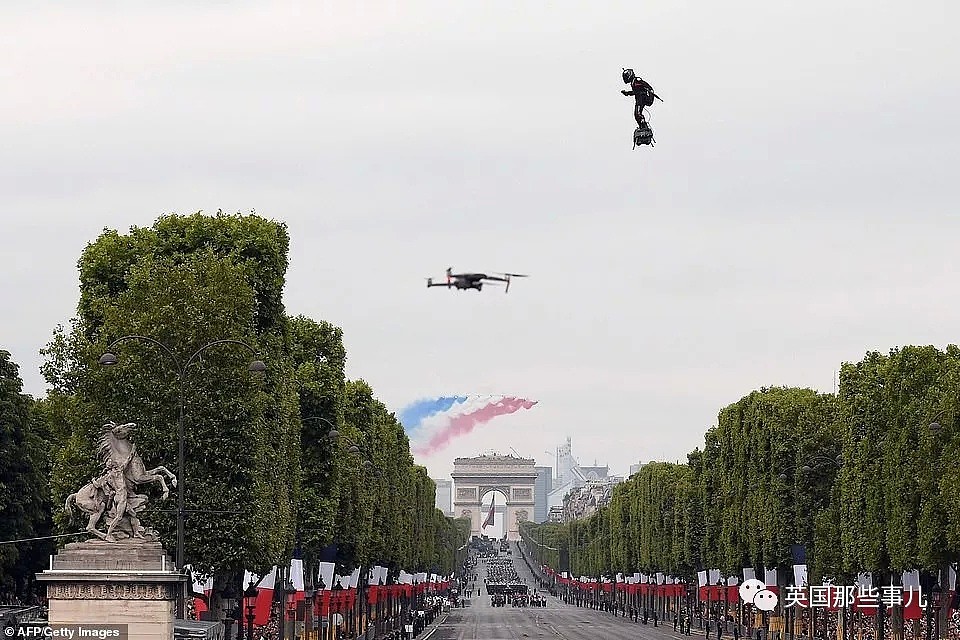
[583, 501]
[571, 475]
[636, 467]
[445, 496]
[541, 493]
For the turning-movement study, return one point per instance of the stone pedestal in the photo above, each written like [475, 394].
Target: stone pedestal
[119, 583]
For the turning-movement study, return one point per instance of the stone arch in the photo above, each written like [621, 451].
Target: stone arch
[513, 476]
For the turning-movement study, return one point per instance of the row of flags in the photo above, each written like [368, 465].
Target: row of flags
[908, 579]
[712, 578]
[638, 583]
[334, 592]
[711, 585]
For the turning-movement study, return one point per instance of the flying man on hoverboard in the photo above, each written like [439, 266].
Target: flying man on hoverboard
[644, 95]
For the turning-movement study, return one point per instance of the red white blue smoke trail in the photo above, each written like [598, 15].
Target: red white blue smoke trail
[434, 424]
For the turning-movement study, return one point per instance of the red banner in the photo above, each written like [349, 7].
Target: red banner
[911, 604]
[324, 604]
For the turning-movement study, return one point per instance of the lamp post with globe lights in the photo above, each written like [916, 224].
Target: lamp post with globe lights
[109, 359]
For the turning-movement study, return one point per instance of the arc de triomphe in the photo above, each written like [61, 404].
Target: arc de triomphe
[473, 478]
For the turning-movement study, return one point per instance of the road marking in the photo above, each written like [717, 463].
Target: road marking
[436, 626]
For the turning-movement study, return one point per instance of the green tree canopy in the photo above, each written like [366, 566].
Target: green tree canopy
[24, 491]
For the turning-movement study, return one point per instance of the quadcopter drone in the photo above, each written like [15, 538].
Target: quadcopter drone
[463, 281]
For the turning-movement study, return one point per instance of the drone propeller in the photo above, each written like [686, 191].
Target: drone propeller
[508, 276]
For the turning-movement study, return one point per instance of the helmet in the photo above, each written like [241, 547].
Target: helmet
[629, 76]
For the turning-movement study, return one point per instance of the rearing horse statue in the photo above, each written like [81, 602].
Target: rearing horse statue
[116, 488]
[116, 448]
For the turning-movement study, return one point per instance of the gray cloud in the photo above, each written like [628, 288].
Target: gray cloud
[798, 210]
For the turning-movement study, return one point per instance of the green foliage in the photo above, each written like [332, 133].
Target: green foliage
[897, 490]
[727, 507]
[24, 491]
[257, 447]
[860, 480]
[319, 359]
[387, 514]
[768, 434]
[186, 282]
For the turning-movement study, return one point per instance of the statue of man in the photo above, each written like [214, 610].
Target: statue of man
[114, 492]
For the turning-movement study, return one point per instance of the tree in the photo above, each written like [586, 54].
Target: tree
[898, 482]
[319, 360]
[185, 282]
[24, 491]
[257, 449]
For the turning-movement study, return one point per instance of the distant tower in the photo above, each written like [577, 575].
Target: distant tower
[565, 463]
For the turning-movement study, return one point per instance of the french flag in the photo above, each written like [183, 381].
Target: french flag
[205, 587]
[249, 578]
[296, 577]
[261, 612]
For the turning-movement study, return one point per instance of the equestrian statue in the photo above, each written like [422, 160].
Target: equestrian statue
[113, 494]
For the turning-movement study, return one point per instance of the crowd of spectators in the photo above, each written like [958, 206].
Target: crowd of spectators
[10, 599]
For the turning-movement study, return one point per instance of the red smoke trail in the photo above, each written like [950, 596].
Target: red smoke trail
[465, 423]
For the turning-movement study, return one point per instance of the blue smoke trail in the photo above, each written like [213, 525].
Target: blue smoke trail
[412, 415]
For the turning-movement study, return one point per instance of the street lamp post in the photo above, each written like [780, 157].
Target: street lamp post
[286, 589]
[806, 468]
[233, 610]
[256, 366]
[939, 591]
[355, 449]
[250, 600]
[310, 569]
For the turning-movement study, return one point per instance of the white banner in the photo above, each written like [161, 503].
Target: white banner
[325, 575]
[296, 573]
[911, 579]
[800, 575]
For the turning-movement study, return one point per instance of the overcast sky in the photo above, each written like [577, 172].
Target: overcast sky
[798, 210]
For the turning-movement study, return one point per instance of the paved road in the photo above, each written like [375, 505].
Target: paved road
[480, 621]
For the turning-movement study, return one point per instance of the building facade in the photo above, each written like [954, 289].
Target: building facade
[512, 476]
[445, 496]
[541, 493]
[571, 475]
[584, 501]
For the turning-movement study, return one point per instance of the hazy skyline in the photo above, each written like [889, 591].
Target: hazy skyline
[797, 211]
